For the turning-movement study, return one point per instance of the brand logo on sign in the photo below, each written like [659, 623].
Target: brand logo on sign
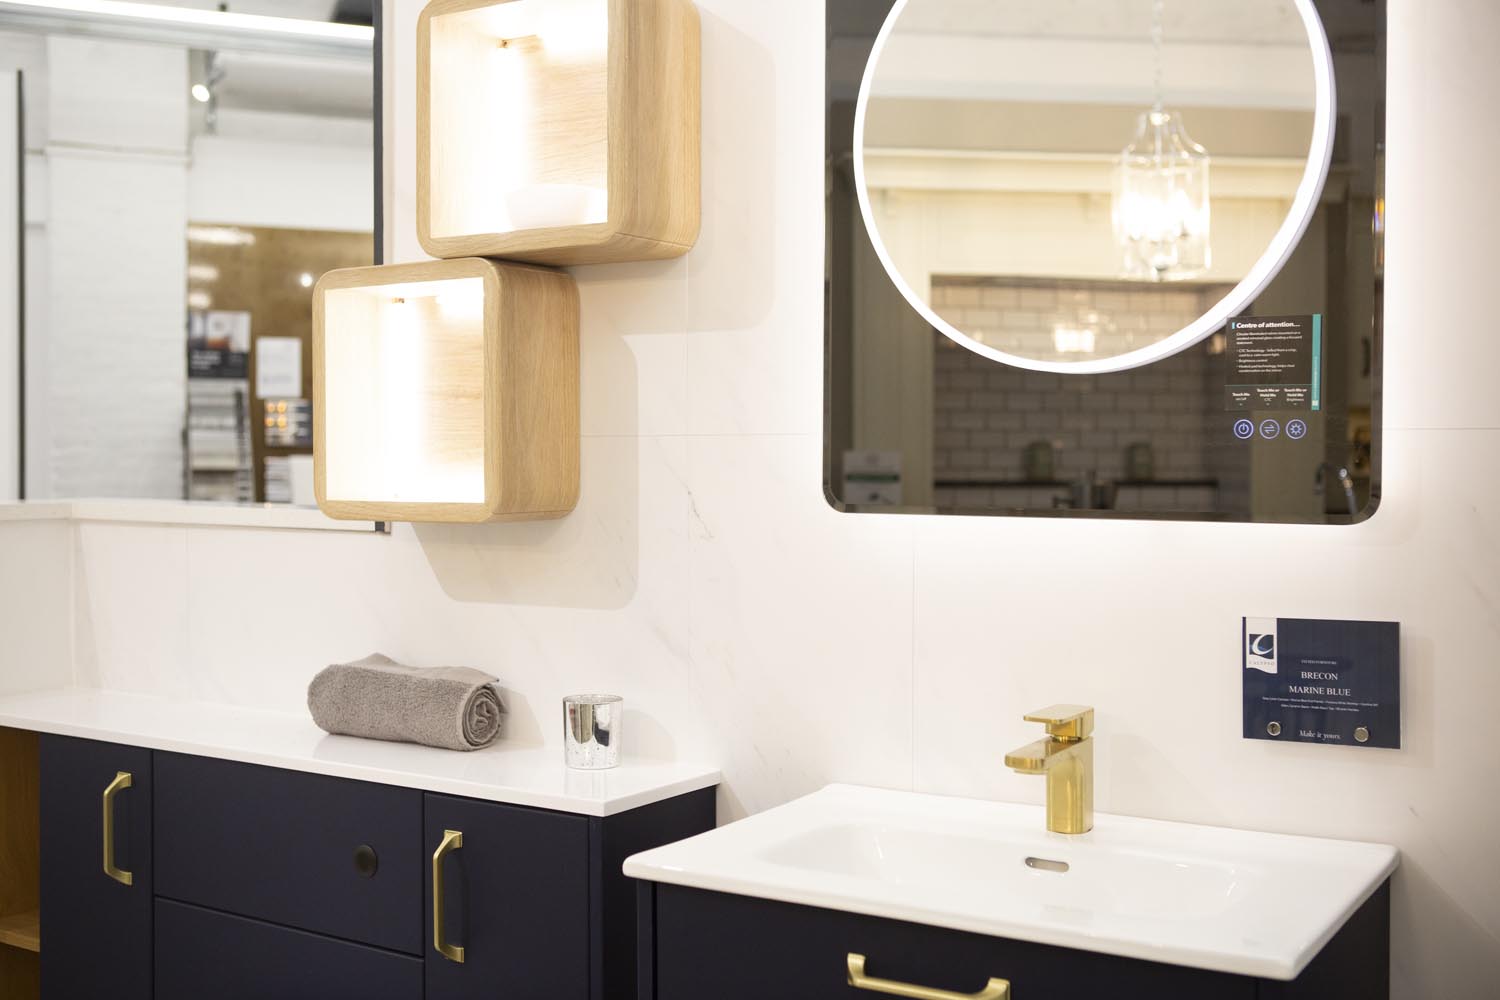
[1260, 644]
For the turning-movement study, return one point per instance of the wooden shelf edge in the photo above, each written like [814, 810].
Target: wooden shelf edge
[22, 930]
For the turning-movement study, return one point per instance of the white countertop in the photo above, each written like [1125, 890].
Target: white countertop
[527, 776]
[1235, 901]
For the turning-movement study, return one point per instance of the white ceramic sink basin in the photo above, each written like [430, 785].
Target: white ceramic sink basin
[1253, 904]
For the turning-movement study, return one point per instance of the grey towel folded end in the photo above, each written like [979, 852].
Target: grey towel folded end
[456, 708]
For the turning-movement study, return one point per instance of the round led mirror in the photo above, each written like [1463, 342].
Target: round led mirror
[1103, 150]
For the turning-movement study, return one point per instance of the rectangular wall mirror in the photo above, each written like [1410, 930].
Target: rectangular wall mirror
[1110, 258]
[182, 184]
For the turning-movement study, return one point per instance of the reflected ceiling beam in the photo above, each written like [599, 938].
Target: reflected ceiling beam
[1059, 173]
[278, 82]
[1023, 126]
[1086, 71]
[190, 27]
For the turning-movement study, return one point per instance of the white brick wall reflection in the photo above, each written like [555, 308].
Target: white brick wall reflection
[989, 413]
[1022, 317]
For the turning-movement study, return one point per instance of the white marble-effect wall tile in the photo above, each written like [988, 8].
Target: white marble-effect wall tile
[629, 528]
[321, 597]
[131, 608]
[634, 348]
[36, 588]
[801, 625]
[592, 601]
[755, 277]
[1440, 257]
[595, 602]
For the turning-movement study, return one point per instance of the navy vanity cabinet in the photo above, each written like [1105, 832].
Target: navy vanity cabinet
[235, 881]
[96, 875]
[697, 944]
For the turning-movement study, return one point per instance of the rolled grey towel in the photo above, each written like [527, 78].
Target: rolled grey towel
[456, 708]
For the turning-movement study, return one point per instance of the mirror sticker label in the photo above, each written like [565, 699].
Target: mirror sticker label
[1275, 363]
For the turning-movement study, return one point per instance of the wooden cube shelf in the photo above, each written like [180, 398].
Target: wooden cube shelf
[445, 391]
[558, 131]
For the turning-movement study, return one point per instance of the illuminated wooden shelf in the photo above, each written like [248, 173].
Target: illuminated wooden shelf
[22, 930]
[445, 391]
[558, 131]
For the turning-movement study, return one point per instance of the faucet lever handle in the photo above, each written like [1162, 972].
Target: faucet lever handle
[1065, 722]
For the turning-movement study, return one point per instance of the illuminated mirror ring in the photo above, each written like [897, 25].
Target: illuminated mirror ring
[1283, 244]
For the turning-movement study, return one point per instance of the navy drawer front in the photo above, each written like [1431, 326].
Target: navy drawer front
[739, 948]
[342, 858]
[202, 954]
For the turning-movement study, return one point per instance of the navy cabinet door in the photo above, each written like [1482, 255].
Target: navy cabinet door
[97, 929]
[516, 898]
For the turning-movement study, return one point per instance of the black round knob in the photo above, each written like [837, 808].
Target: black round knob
[366, 861]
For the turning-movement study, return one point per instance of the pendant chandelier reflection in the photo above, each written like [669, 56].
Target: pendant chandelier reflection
[1161, 208]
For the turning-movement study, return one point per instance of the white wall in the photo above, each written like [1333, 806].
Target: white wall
[114, 383]
[705, 578]
[10, 285]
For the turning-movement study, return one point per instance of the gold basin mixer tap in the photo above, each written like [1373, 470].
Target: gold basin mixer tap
[1066, 759]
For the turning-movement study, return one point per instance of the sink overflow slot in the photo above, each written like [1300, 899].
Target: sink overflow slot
[1047, 866]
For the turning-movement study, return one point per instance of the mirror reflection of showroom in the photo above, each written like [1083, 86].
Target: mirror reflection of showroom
[185, 187]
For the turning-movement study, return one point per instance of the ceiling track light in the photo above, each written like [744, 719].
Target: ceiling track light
[206, 91]
[191, 27]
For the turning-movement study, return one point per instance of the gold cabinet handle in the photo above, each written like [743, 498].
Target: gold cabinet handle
[998, 989]
[122, 781]
[452, 841]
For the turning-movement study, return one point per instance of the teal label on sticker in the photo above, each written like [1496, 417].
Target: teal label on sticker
[1317, 361]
